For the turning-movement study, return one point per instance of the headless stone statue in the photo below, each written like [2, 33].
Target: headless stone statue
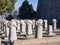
[3, 25]
[23, 26]
[51, 30]
[54, 24]
[7, 28]
[18, 25]
[29, 27]
[33, 24]
[45, 25]
[0, 41]
[0, 25]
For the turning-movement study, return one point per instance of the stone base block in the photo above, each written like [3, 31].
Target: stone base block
[52, 34]
[30, 36]
[6, 38]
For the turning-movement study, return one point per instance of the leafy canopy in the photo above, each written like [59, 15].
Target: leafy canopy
[6, 5]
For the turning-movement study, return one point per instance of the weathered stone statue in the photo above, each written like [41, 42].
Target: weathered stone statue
[1, 25]
[39, 24]
[0, 42]
[6, 23]
[13, 34]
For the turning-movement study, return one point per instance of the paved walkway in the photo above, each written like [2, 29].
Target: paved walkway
[43, 41]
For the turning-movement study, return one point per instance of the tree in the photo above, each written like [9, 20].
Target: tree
[26, 11]
[6, 5]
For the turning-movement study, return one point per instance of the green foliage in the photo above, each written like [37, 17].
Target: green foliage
[6, 5]
[26, 11]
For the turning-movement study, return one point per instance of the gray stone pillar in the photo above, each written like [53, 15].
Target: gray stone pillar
[39, 24]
